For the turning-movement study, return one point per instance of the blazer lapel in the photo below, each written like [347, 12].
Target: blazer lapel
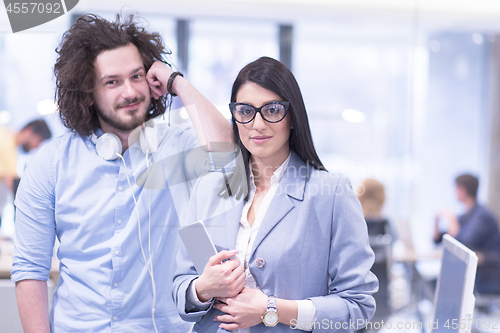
[292, 185]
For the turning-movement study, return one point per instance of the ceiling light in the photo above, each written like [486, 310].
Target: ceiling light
[353, 116]
[46, 106]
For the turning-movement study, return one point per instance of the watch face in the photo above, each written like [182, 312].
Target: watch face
[271, 318]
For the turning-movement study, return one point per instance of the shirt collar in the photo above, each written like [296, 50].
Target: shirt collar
[98, 132]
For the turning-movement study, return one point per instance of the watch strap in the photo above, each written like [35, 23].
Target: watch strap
[271, 302]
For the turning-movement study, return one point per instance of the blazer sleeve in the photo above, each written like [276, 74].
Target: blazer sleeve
[350, 304]
[185, 272]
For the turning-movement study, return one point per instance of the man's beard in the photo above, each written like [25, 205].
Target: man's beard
[114, 120]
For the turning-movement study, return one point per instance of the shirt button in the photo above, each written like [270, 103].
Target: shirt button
[119, 221]
[115, 284]
[120, 188]
[115, 317]
[117, 252]
[259, 262]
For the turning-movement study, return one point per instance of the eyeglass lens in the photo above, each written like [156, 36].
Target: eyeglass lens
[273, 112]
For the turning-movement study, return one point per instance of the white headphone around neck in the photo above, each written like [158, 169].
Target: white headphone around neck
[109, 146]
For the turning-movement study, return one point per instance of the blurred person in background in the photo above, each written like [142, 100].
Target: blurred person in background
[477, 229]
[372, 198]
[30, 137]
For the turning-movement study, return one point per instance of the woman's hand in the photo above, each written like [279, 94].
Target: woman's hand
[221, 279]
[243, 310]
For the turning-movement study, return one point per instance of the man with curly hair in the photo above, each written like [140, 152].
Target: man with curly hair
[116, 225]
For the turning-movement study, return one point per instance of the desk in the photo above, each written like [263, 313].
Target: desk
[6, 251]
[417, 279]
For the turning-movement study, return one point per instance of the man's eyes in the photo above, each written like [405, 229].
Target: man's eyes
[136, 77]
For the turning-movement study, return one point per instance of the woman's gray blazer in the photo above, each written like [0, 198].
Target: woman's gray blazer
[312, 244]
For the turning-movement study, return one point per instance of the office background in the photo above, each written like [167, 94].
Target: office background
[404, 91]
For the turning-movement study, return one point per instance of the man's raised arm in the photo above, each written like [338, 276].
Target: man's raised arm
[209, 124]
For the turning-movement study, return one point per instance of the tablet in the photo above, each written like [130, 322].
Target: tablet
[198, 244]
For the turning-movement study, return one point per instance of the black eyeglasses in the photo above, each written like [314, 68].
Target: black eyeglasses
[271, 112]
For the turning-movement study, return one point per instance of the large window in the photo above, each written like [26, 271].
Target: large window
[218, 49]
[341, 67]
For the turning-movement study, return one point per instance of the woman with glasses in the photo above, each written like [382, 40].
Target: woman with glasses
[294, 252]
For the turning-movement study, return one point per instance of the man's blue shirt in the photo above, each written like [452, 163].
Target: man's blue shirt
[71, 193]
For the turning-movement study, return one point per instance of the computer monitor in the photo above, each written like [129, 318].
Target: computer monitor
[454, 298]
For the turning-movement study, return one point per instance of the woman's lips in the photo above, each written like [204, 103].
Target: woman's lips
[261, 138]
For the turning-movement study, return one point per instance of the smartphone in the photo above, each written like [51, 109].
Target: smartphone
[198, 244]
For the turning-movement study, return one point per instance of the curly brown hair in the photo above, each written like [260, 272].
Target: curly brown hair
[74, 68]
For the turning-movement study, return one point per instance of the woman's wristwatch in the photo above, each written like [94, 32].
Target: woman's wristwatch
[270, 317]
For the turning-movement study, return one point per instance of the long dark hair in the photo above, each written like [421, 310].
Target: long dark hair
[74, 68]
[276, 77]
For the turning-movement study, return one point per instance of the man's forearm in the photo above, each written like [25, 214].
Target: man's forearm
[209, 123]
[33, 305]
